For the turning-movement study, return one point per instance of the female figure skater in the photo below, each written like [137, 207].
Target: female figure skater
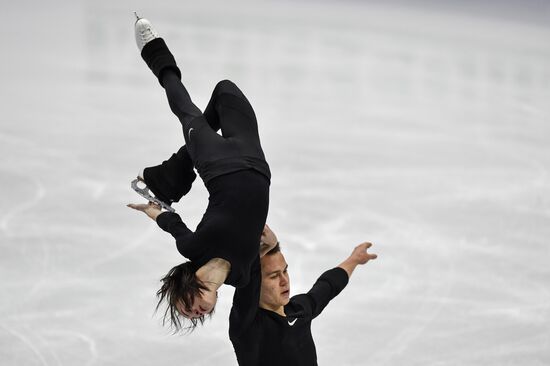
[226, 242]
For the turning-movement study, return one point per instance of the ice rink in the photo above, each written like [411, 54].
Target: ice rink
[424, 129]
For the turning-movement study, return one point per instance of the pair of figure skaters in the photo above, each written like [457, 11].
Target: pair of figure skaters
[231, 245]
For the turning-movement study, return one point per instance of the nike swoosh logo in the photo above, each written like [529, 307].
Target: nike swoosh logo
[189, 133]
[291, 323]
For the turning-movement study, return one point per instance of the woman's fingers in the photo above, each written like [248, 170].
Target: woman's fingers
[153, 204]
[138, 206]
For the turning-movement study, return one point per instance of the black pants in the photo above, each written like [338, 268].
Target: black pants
[238, 148]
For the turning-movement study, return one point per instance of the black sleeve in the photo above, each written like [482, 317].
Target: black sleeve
[171, 223]
[327, 287]
[246, 302]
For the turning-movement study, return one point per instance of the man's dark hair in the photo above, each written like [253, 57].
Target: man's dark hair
[179, 287]
[275, 249]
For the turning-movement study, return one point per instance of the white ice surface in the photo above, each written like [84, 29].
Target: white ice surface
[425, 131]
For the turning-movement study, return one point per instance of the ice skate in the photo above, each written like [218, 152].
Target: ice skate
[153, 49]
[142, 189]
[144, 32]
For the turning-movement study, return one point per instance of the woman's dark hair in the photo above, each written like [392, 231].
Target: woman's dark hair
[179, 287]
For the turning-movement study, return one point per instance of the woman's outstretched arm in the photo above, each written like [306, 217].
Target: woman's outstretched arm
[171, 223]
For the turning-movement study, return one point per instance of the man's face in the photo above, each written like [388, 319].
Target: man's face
[275, 282]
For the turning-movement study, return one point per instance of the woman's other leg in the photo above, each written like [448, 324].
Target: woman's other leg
[229, 110]
[173, 178]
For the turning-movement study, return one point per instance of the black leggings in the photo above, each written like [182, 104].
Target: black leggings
[212, 155]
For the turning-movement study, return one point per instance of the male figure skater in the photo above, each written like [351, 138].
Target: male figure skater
[224, 246]
[268, 327]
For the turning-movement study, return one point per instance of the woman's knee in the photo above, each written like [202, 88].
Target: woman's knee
[227, 87]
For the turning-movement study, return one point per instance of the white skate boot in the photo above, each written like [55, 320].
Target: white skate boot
[144, 32]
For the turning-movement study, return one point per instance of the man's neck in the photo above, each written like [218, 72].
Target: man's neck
[214, 273]
[279, 310]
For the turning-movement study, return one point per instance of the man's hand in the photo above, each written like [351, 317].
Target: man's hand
[151, 209]
[268, 240]
[358, 256]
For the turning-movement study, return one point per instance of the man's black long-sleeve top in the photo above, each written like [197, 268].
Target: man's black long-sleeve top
[263, 338]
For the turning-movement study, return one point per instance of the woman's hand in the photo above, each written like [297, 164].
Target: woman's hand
[268, 240]
[151, 209]
[268, 237]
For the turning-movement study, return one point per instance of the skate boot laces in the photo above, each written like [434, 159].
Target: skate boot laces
[144, 31]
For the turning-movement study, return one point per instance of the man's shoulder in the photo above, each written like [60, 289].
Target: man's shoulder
[298, 306]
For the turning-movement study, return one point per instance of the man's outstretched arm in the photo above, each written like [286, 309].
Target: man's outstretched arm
[357, 257]
[333, 281]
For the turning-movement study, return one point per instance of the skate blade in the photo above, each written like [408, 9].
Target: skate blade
[145, 193]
